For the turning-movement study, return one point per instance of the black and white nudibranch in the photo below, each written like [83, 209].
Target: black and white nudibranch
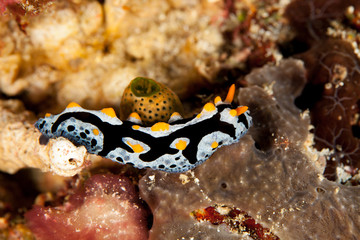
[174, 146]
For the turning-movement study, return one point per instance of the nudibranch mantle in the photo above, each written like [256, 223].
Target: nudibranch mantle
[174, 146]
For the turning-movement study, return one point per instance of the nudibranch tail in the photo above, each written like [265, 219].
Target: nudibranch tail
[173, 146]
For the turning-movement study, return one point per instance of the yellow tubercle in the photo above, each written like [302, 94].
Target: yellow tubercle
[241, 110]
[209, 107]
[160, 126]
[135, 115]
[47, 114]
[109, 111]
[137, 148]
[217, 100]
[181, 145]
[72, 105]
[233, 112]
[230, 95]
[96, 131]
[214, 144]
[175, 114]
[136, 127]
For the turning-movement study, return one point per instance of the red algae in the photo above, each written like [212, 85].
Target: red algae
[107, 207]
[238, 221]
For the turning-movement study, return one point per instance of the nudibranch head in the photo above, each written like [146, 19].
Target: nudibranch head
[86, 133]
[153, 101]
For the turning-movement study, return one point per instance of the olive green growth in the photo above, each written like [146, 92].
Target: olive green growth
[144, 87]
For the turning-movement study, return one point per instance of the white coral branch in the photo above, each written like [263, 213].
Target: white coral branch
[20, 146]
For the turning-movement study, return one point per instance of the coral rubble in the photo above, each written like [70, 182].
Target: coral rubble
[20, 145]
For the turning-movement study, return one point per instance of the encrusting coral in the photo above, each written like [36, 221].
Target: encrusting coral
[272, 174]
[20, 145]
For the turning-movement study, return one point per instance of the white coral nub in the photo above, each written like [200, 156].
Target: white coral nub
[66, 159]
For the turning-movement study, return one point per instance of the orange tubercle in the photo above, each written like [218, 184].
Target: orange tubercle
[109, 111]
[136, 127]
[135, 115]
[217, 100]
[241, 110]
[96, 131]
[160, 126]
[72, 104]
[137, 148]
[214, 144]
[209, 107]
[233, 112]
[181, 145]
[175, 114]
[230, 95]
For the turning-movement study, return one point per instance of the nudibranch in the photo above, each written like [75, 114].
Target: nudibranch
[174, 146]
[153, 101]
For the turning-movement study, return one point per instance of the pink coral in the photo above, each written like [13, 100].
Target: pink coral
[107, 207]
